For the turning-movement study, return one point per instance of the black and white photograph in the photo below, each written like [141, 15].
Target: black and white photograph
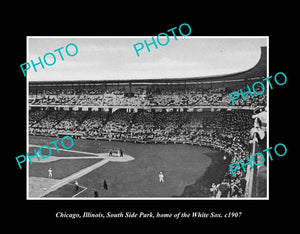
[139, 117]
[184, 120]
[147, 118]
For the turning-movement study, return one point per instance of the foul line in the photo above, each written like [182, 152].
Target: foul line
[84, 188]
[76, 175]
[80, 192]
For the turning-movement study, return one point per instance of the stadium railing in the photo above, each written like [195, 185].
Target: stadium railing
[251, 174]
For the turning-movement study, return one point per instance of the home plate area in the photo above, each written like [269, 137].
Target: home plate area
[133, 175]
[66, 167]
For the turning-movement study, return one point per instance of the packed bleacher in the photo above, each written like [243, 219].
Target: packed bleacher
[155, 96]
[226, 130]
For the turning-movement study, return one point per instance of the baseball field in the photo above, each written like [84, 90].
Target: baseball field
[135, 175]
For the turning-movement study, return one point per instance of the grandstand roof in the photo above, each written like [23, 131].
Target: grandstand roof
[257, 71]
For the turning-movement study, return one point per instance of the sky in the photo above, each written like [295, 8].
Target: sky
[114, 58]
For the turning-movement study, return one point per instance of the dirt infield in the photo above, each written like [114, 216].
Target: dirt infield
[38, 186]
[181, 165]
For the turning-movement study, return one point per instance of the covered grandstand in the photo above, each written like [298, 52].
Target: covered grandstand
[195, 110]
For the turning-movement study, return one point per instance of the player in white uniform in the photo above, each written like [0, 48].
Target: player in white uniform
[161, 177]
[50, 173]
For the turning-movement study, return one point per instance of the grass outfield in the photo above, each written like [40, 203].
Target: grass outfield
[60, 168]
[182, 165]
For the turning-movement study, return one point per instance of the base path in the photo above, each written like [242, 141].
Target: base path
[77, 175]
[125, 158]
[49, 186]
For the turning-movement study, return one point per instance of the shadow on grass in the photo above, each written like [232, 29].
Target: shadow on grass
[214, 174]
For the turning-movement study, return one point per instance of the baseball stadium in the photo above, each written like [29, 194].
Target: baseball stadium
[127, 133]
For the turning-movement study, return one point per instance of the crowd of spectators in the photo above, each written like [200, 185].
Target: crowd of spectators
[225, 130]
[147, 96]
[228, 131]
